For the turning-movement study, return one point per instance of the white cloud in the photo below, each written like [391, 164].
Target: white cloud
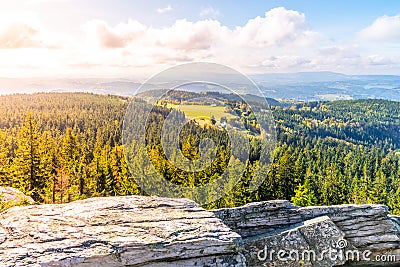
[377, 60]
[340, 57]
[281, 33]
[17, 33]
[279, 41]
[190, 36]
[164, 10]
[276, 63]
[279, 27]
[209, 12]
[114, 37]
[385, 28]
[38, 2]
[19, 36]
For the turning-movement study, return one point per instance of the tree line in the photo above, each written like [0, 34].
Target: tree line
[60, 147]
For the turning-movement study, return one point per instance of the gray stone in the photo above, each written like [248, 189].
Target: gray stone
[117, 231]
[366, 227]
[9, 194]
[395, 220]
[161, 232]
[316, 242]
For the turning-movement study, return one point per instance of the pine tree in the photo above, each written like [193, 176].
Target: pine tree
[189, 148]
[304, 195]
[49, 163]
[70, 161]
[394, 201]
[61, 185]
[4, 161]
[27, 166]
[267, 190]
[286, 176]
[334, 189]
[378, 194]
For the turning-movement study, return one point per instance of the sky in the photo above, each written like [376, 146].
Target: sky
[136, 39]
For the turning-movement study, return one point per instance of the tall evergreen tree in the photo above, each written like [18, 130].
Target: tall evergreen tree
[378, 194]
[27, 166]
[304, 195]
[4, 161]
[70, 160]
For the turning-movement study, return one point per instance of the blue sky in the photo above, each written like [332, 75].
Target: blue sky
[124, 38]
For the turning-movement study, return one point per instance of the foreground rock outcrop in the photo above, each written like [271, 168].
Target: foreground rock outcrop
[153, 231]
[367, 229]
[117, 231]
[286, 248]
[9, 194]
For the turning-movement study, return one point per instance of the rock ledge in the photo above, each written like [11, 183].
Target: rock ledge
[162, 232]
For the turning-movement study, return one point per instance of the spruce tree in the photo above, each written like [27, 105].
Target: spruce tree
[27, 166]
[4, 161]
[378, 194]
[70, 161]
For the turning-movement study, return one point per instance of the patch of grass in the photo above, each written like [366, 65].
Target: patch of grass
[5, 205]
[203, 111]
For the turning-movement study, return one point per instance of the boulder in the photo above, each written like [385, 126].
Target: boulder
[162, 232]
[367, 228]
[117, 231]
[9, 194]
[10, 197]
[316, 242]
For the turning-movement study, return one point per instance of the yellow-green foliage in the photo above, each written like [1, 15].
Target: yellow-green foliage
[198, 111]
[5, 205]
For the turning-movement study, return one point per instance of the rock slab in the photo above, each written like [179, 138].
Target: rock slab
[366, 228]
[161, 232]
[312, 243]
[117, 231]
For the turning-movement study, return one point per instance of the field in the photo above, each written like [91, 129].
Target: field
[203, 111]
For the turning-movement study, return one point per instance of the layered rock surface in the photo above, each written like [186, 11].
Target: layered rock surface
[117, 231]
[366, 228]
[161, 232]
[307, 244]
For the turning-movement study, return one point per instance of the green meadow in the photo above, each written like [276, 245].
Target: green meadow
[203, 111]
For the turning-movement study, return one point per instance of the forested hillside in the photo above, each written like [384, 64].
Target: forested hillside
[339, 152]
[62, 147]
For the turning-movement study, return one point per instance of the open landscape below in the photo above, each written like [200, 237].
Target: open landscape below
[67, 148]
[60, 147]
[199, 133]
[302, 86]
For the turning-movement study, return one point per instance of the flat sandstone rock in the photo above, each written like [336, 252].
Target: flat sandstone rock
[161, 232]
[117, 231]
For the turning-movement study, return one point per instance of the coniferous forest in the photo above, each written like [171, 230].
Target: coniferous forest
[60, 147]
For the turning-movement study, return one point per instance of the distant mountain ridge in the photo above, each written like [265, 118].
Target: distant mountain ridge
[186, 95]
[327, 86]
[301, 86]
[299, 77]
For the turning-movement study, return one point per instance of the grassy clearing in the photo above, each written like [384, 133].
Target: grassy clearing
[203, 112]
